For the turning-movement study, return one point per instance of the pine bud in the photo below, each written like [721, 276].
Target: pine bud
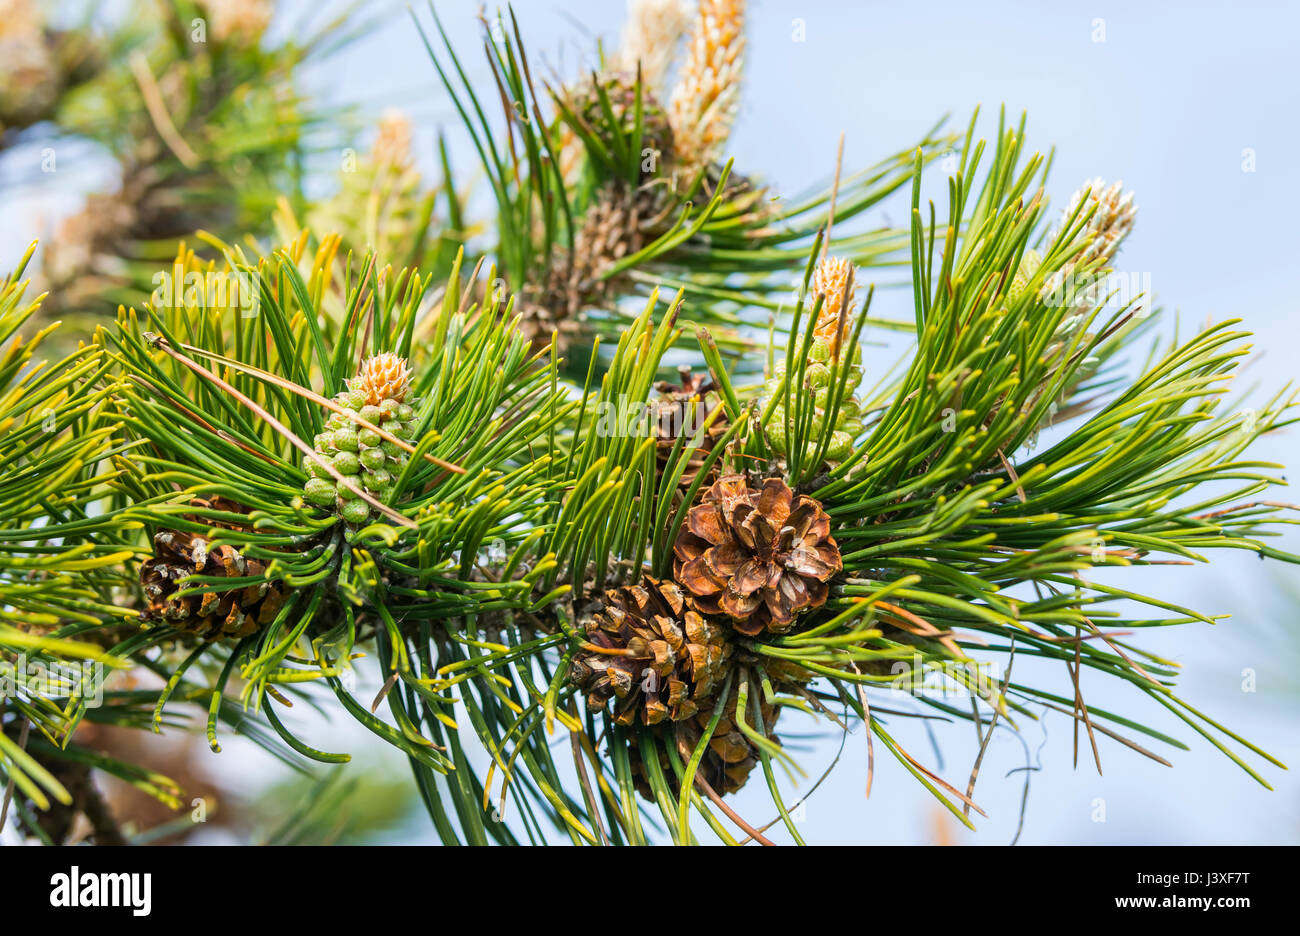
[829, 362]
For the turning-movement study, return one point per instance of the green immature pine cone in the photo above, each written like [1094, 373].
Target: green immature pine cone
[828, 359]
[823, 376]
[380, 395]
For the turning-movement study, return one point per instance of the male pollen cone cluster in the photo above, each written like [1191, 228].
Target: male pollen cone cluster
[382, 377]
[836, 279]
[651, 35]
[707, 95]
[758, 555]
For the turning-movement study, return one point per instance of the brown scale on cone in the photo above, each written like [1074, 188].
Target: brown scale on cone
[759, 555]
[213, 613]
[728, 760]
[675, 414]
[616, 225]
[651, 655]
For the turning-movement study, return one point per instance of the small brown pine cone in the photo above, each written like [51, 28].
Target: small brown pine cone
[618, 223]
[213, 613]
[726, 764]
[673, 416]
[651, 654]
[759, 555]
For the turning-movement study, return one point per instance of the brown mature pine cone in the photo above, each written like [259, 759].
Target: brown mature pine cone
[730, 757]
[672, 415]
[214, 613]
[757, 554]
[650, 653]
[619, 222]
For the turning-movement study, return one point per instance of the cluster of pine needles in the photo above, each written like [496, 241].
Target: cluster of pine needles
[583, 470]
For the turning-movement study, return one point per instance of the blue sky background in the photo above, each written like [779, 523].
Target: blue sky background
[1166, 101]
